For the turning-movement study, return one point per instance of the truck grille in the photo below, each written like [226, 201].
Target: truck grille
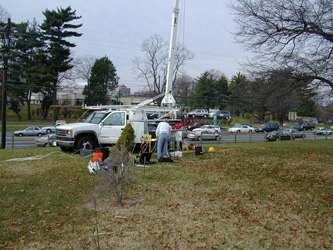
[60, 132]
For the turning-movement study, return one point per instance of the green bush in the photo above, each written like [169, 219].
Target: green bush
[126, 138]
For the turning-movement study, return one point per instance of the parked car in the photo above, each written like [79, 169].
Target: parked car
[45, 140]
[204, 134]
[198, 113]
[279, 135]
[295, 132]
[196, 125]
[30, 131]
[52, 129]
[308, 126]
[238, 128]
[298, 127]
[322, 131]
[248, 124]
[213, 128]
[175, 114]
[268, 127]
[220, 114]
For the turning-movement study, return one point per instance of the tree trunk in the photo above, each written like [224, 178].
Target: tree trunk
[55, 101]
[18, 115]
[28, 101]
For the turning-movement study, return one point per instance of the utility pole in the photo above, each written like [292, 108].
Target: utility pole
[5, 52]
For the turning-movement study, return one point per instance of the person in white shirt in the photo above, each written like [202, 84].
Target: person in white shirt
[163, 133]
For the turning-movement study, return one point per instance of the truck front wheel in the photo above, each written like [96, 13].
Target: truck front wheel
[86, 143]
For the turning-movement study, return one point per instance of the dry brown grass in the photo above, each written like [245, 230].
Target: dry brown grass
[259, 195]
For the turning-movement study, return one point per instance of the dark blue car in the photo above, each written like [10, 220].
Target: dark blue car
[267, 127]
[279, 135]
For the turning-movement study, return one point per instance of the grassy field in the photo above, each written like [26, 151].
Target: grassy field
[245, 195]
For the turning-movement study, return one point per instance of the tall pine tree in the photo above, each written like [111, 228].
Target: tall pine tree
[57, 28]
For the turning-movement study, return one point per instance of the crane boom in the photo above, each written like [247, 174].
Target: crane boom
[168, 99]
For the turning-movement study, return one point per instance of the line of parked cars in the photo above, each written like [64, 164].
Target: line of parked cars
[297, 131]
[220, 114]
[199, 130]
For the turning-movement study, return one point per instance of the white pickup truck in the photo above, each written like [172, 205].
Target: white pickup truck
[101, 128]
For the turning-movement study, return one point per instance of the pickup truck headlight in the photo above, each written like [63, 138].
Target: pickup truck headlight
[69, 132]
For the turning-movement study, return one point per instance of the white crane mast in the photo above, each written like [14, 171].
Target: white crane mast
[169, 100]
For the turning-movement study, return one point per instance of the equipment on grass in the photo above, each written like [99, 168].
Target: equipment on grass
[211, 149]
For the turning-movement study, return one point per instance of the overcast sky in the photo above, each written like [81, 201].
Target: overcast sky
[117, 28]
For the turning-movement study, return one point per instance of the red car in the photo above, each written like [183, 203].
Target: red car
[196, 125]
[178, 126]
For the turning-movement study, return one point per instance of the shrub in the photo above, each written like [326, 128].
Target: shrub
[126, 138]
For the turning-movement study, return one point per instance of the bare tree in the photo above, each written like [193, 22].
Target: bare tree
[325, 114]
[296, 33]
[4, 15]
[276, 91]
[184, 88]
[118, 172]
[153, 67]
[82, 66]
[80, 71]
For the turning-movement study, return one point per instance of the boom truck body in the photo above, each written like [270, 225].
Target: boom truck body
[104, 126]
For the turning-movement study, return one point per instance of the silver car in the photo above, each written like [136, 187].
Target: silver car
[203, 134]
[212, 128]
[198, 113]
[322, 131]
[45, 140]
[237, 128]
[220, 114]
[30, 131]
[295, 132]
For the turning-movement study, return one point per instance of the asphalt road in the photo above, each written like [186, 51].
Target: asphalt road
[29, 141]
[20, 142]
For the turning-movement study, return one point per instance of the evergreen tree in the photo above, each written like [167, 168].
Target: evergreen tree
[237, 104]
[28, 72]
[308, 105]
[222, 92]
[211, 91]
[103, 80]
[56, 29]
[204, 92]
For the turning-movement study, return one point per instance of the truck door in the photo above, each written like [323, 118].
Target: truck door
[112, 127]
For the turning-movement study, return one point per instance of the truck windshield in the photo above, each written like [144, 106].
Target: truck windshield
[95, 118]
